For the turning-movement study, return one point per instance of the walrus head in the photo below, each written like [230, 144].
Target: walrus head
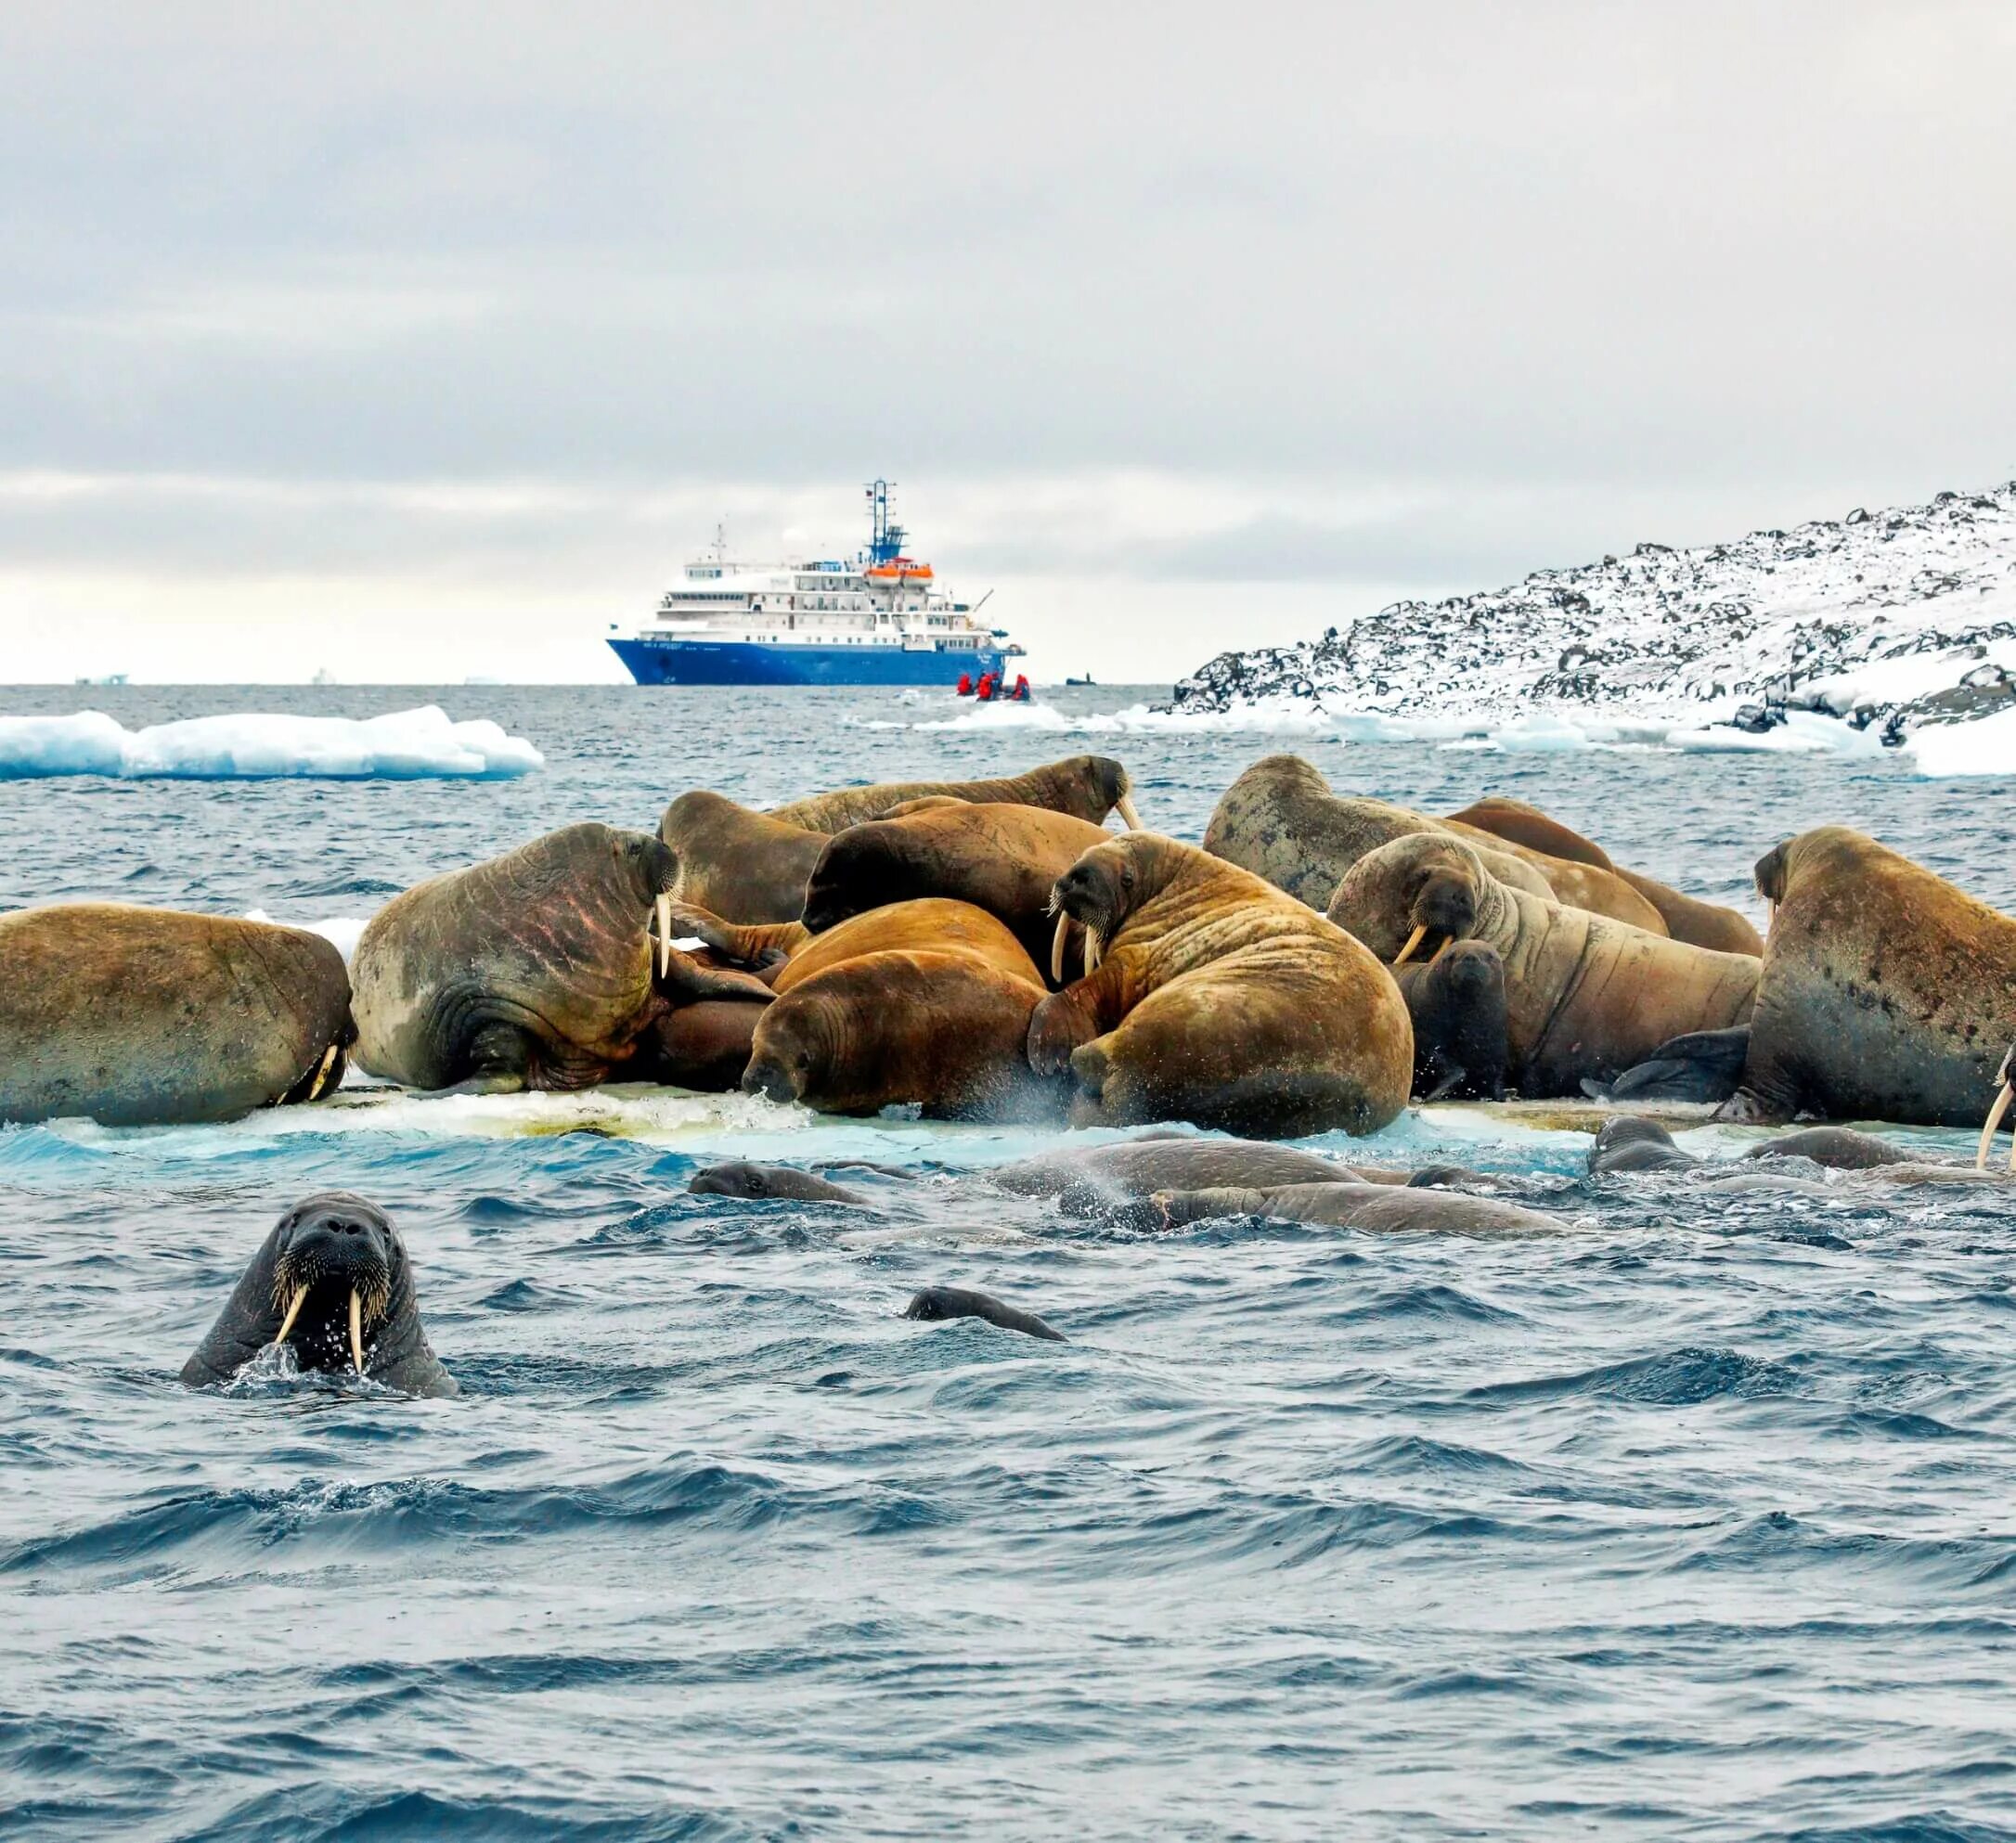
[865, 857]
[336, 1260]
[1416, 890]
[794, 1048]
[1113, 789]
[1106, 886]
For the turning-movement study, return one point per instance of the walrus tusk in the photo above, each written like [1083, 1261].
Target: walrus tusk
[293, 1311]
[1129, 814]
[1056, 948]
[356, 1330]
[322, 1075]
[1448, 941]
[1092, 951]
[1987, 1132]
[663, 911]
[1414, 940]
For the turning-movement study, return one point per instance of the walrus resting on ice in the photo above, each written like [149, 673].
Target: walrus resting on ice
[1701, 924]
[1585, 996]
[735, 862]
[333, 1282]
[535, 969]
[1280, 821]
[152, 1017]
[937, 1303]
[1888, 994]
[1215, 997]
[1000, 858]
[1380, 1209]
[1086, 787]
[1457, 1004]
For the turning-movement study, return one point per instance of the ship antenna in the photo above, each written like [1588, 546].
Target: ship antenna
[884, 540]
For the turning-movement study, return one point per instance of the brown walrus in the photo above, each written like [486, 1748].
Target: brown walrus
[1002, 857]
[735, 862]
[1701, 924]
[533, 968]
[1888, 994]
[1585, 996]
[931, 924]
[1457, 1004]
[1086, 787]
[944, 1031]
[1378, 1209]
[1214, 998]
[153, 1017]
[1281, 820]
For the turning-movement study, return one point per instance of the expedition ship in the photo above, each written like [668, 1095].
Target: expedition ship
[877, 619]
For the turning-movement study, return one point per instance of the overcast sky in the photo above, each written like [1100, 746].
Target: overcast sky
[417, 341]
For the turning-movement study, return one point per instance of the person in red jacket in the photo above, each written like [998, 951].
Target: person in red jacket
[965, 687]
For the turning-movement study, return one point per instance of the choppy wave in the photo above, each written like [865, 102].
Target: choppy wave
[403, 745]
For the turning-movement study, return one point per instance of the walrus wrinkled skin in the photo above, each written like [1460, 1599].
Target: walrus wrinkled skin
[932, 924]
[937, 1303]
[535, 969]
[152, 1017]
[1086, 787]
[1585, 996]
[334, 1282]
[1281, 820]
[943, 1031]
[1380, 1209]
[739, 1177]
[1888, 994]
[1457, 1004]
[1705, 1066]
[739, 864]
[1000, 857]
[1701, 924]
[1218, 999]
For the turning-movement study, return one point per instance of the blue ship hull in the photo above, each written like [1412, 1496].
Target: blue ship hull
[739, 663]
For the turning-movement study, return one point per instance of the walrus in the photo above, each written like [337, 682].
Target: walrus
[1704, 1065]
[143, 1017]
[1380, 1209]
[1000, 858]
[961, 1302]
[1086, 787]
[739, 1177]
[333, 1283]
[940, 1030]
[1701, 924]
[534, 969]
[1888, 994]
[1281, 820]
[1216, 999]
[1458, 1005]
[935, 924]
[739, 864]
[1137, 1167]
[1839, 1148]
[1585, 996]
[1628, 1144]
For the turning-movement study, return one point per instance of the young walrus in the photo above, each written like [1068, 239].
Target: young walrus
[1585, 996]
[1217, 999]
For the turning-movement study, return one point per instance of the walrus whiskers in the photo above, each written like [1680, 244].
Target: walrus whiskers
[1056, 948]
[1414, 940]
[1126, 812]
[293, 1311]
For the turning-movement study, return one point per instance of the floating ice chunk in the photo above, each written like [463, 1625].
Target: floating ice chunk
[402, 745]
[1985, 746]
[1803, 732]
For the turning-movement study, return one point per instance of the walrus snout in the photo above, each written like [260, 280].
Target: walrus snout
[770, 1077]
[1445, 910]
[334, 1273]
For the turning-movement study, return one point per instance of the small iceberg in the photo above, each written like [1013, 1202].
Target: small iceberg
[403, 745]
[1988, 745]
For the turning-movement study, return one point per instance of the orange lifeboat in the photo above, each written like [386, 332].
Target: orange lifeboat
[898, 570]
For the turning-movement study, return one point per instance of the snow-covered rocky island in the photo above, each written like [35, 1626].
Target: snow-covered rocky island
[1882, 630]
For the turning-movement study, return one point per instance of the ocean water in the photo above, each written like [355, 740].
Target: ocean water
[1694, 1523]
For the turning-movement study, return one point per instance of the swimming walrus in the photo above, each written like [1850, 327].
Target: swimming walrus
[333, 1283]
[154, 1017]
[1086, 787]
[534, 969]
[1215, 997]
[1888, 993]
[739, 864]
[942, 1029]
[1585, 996]
[1281, 820]
[1701, 924]
[1380, 1209]
[740, 1177]
[1628, 1144]
[940, 1303]
[1458, 1005]
[1137, 1167]
[1002, 857]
